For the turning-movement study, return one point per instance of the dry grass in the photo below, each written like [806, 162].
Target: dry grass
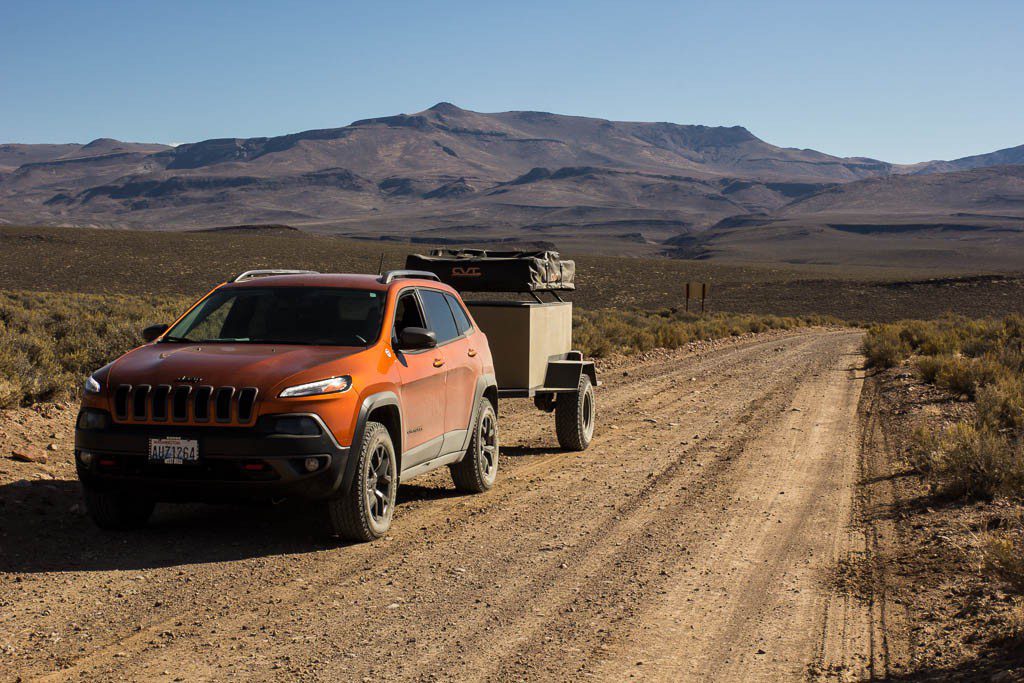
[50, 342]
[598, 333]
[884, 347]
[1003, 557]
[981, 361]
[977, 462]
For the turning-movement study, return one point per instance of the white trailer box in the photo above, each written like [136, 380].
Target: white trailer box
[524, 336]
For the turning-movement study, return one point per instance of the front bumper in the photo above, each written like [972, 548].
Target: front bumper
[235, 463]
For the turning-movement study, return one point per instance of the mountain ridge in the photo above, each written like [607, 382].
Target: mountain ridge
[452, 173]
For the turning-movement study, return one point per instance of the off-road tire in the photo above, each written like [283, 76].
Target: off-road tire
[575, 415]
[116, 510]
[350, 515]
[478, 469]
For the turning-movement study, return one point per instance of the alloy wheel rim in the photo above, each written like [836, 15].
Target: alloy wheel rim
[489, 444]
[379, 484]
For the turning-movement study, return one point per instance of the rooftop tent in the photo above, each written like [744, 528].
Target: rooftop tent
[479, 270]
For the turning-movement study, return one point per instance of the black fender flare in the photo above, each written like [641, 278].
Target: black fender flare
[483, 383]
[369, 404]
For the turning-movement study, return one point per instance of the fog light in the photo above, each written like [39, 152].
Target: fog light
[92, 418]
[85, 457]
[312, 464]
[296, 426]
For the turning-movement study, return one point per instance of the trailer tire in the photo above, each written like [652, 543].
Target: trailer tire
[575, 415]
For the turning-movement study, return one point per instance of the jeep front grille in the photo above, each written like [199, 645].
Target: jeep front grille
[224, 405]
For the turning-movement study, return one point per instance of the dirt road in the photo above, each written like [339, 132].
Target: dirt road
[698, 539]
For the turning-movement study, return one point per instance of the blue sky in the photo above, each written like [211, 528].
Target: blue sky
[901, 81]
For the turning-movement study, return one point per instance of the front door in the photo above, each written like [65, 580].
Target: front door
[461, 363]
[423, 387]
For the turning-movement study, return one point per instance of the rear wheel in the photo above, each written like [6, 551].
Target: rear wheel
[574, 416]
[117, 510]
[364, 512]
[478, 469]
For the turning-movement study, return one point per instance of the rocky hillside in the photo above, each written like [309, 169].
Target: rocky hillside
[449, 174]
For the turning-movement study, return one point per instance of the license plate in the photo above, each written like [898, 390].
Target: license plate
[174, 451]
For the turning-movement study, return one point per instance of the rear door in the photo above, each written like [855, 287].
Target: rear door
[423, 386]
[461, 363]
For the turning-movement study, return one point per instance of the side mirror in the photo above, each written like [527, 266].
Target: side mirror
[416, 338]
[153, 331]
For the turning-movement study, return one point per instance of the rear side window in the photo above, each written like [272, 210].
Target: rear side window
[461, 319]
[439, 315]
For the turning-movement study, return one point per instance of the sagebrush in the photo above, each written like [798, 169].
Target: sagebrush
[49, 342]
[599, 332]
[977, 360]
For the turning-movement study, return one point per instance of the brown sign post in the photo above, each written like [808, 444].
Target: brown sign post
[697, 290]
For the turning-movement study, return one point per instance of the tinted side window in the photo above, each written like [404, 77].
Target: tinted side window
[439, 315]
[461, 319]
[407, 314]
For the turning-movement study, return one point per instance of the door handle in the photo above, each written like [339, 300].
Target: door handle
[438, 362]
[471, 353]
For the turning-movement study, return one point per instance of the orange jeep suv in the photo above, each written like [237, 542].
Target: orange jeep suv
[332, 388]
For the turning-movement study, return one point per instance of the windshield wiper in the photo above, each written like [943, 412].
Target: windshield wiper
[177, 339]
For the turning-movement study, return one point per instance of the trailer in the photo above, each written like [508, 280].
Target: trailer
[530, 338]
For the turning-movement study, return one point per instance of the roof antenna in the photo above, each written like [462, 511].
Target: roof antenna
[380, 267]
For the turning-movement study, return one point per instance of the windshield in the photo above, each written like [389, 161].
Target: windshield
[323, 316]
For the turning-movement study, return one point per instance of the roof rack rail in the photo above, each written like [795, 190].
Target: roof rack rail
[250, 274]
[391, 275]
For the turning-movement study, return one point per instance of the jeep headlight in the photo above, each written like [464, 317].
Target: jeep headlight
[331, 385]
[92, 385]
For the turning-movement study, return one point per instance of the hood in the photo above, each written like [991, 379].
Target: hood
[238, 365]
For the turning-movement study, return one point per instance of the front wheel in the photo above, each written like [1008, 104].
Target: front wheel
[574, 416]
[478, 469]
[364, 512]
[117, 510]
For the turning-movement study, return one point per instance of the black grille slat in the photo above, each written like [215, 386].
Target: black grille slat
[159, 405]
[121, 401]
[179, 404]
[201, 406]
[246, 403]
[139, 401]
[145, 403]
[222, 403]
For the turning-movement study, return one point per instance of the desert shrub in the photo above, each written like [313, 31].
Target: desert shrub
[1003, 558]
[929, 367]
[599, 332]
[884, 347]
[929, 338]
[978, 462]
[50, 342]
[1001, 403]
[965, 376]
[923, 449]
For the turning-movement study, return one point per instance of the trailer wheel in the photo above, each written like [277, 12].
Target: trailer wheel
[574, 416]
